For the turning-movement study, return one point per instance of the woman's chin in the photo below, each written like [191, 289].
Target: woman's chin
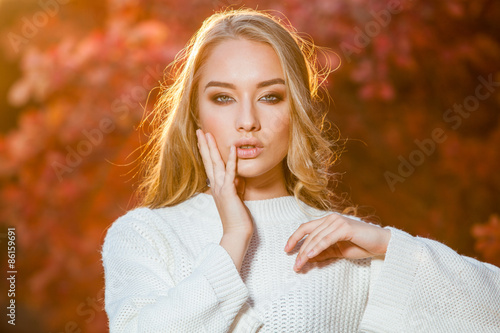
[248, 170]
[246, 175]
[253, 168]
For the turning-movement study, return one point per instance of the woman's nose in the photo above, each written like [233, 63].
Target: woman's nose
[247, 119]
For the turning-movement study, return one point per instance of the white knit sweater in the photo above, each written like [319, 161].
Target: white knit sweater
[166, 272]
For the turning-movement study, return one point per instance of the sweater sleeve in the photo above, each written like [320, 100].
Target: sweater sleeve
[424, 286]
[140, 292]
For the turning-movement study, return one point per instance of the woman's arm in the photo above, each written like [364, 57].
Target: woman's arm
[424, 286]
[420, 286]
[227, 191]
[142, 296]
[337, 236]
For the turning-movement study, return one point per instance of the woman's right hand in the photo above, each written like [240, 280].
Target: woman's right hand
[226, 188]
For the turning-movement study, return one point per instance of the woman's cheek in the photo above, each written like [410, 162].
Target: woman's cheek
[280, 123]
[223, 143]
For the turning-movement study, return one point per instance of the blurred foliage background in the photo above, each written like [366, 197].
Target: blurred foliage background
[416, 94]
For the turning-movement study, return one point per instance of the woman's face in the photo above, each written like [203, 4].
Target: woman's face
[242, 95]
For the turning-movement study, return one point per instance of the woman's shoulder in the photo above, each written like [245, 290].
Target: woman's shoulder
[144, 229]
[146, 219]
[132, 222]
[133, 217]
[138, 221]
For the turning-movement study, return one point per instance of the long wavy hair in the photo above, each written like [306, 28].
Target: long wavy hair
[172, 167]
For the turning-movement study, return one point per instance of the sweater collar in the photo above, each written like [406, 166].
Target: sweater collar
[281, 209]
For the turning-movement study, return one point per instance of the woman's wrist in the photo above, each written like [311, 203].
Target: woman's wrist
[238, 232]
[236, 245]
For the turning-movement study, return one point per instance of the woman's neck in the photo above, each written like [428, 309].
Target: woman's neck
[260, 193]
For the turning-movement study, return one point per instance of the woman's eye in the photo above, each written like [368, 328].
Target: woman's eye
[222, 99]
[271, 98]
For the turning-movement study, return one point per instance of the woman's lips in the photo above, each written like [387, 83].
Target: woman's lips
[249, 152]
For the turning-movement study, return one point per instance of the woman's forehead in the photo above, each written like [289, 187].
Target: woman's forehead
[241, 60]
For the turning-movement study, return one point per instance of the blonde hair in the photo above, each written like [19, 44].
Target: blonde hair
[173, 168]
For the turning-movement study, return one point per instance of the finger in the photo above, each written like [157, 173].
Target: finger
[326, 221]
[302, 230]
[341, 250]
[205, 154]
[239, 182]
[218, 166]
[333, 251]
[324, 224]
[351, 251]
[231, 166]
[302, 257]
[317, 244]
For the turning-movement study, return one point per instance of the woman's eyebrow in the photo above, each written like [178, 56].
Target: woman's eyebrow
[232, 86]
[270, 82]
[220, 84]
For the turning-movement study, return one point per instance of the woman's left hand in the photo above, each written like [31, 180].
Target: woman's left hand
[336, 236]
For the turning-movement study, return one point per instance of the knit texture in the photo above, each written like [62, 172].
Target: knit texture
[166, 272]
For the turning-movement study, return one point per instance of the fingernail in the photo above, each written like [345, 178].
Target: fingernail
[310, 254]
[286, 247]
[297, 263]
[232, 149]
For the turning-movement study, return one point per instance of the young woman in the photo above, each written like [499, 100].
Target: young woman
[238, 176]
